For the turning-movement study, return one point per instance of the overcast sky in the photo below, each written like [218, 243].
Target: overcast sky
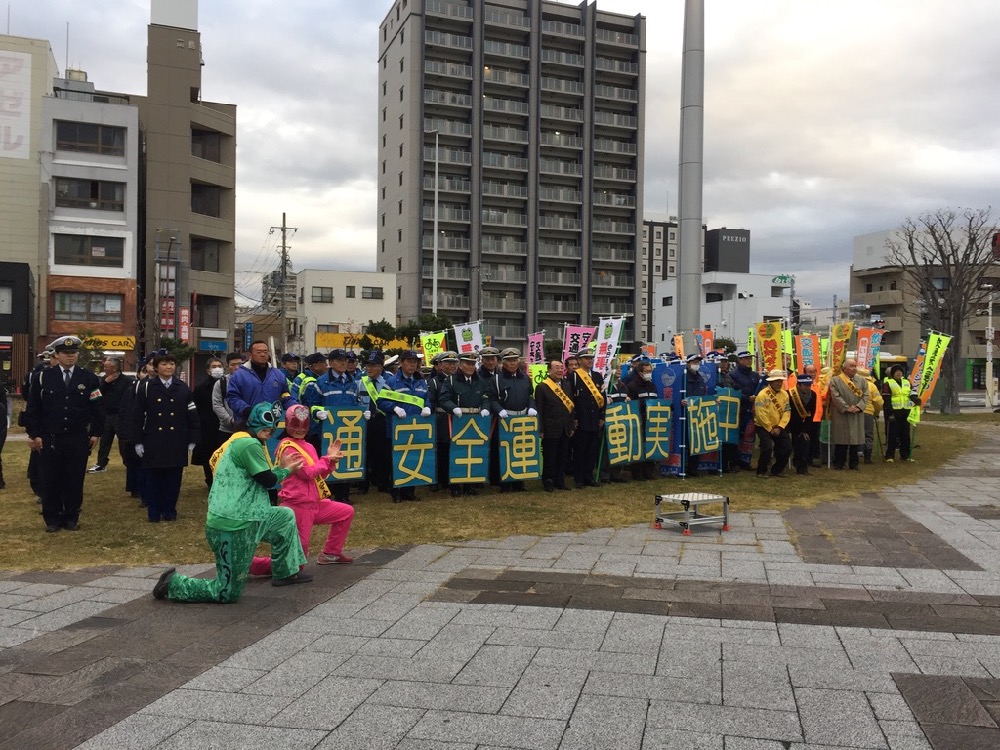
[822, 120]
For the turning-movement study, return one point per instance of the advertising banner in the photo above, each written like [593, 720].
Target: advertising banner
[840, 337]
[623, 433]
[469, 337]
[657, 430]
[520, 448]
[609, 332]
[414, 451]
[769, 345]
[469, 456]
[577, 337]
[350, 427]
[433, 343]
[807, 352]
[535, 353]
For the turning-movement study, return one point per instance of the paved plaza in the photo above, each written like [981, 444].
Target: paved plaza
[872, 622]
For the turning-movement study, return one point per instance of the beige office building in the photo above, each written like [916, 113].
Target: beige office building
[531, 114]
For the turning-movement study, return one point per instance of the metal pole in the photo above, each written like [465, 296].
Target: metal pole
[281, 289]
[434, 272]
[690, 176]
[989, 354]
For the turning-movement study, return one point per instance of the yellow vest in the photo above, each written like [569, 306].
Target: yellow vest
[900, 393]
[772, 409]
[875, 399]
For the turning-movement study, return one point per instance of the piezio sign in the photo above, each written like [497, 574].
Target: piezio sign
[117, 343]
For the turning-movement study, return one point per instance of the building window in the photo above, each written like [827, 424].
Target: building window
[383, 114]
[328, 328]
[90, 138]
[399, 264]
[658, 252]
[382, 245]
[401, 93]
[868, 288]
[656, 268]
[349, 293]
[206, 144]
[207, 312]
[383, 141]
[322, 294]
[400, 122]
[401, 64]
[671, 269]
[383, 193]
[6, 299]
[302, 295]
[892, 286]
[88, 250]
[399, 292]
[104, 196]
[942, 285]
[400, 206]
[97, 308]
[668, 301]
[659, 234]
[371, 292]
[713, 297]
[383, 219]
[399, 235]
[400, 149]
[400, 179]
[383, 167]
[205, 254]
[673, 236]
[402, 32]
[671, 253]
[384, 88]
[206, 199]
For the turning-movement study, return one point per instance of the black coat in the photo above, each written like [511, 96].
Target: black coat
[54, 410]
[553, 418]
[589, 414]
[211, 436]
[164, 421]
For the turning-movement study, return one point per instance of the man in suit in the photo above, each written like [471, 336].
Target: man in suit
[556, 416]
[64, 419]
[585, 388]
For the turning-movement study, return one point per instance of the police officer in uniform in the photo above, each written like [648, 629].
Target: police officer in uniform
[510, 394]
[465, 393]
[377, 447]
[34, 459]
[443, 364]
[408, 382]
[336, 390]
[64, 420]
[488, 365]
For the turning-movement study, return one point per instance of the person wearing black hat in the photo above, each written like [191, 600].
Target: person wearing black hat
[352, 366]
[334, 390]
[291, 364]
[377, 448]
[748, 382]
[443, 365]
[465, 393]
[411, 384]
[310, 394]
[639, 387]
[488, 365]
[165, 429]
[585, 388]
[64, 419]
[804, 430]
[901, 399]
[30, 381]
[694, 385]
[510, 392]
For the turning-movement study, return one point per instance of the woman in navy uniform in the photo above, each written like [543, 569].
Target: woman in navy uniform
[165, 426]
[64, 420]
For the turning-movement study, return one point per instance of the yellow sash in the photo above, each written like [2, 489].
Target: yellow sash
[598, 396]
[560, 394]
[324, 491]
[217, 456]
[850, 384]
[796, 397]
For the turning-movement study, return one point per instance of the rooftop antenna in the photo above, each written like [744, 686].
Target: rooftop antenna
[66, 69]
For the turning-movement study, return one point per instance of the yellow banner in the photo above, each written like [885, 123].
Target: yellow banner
[769, 343]
[433, 344]
[937, 345]
[840, 335]
[116, 343]
[350, 341]
[679, 346]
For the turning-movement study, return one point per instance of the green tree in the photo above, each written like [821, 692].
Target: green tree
[91, 350]
[721, 342]
[410, 330]
[182, 352]
[379, 334]
[553, 349]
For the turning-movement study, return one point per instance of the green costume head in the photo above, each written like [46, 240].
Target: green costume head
[264, 416]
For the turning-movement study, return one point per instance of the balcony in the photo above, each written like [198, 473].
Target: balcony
[610, 146]
[446, 243]
[562, 139]
[493, 274]
[441, 39]
[558, 250]
[620, 200]
[447, 69]
[562, 85]
[439, 8]
[558, 57]
[553, 112]
[560, 222]
[511, 304]
[551, 277]
[448, 184]
[447, 98]
[617, 37]
[447, 302]
[504, 49]
[616, 120]
[557, 166]
[881, 299]
[447, 127]
[504, 218]
[561, 28]
[507, 135]
[616, 93]
[622, 254]
[492, 104]
[562, 195]
[617, 66]
[499, 18]
[605, 172]
[503, 161]
[504, 247]
[509, 77]
[504, 190]
[558, 306]
[451, 273]
[613, 227]
[505, 332]
[446, 213]
[448, 156]
[606, 280]
[602, 307]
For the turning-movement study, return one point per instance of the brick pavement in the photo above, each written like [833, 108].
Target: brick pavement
[756, 639]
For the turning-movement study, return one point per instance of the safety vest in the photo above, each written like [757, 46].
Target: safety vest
[900, 393]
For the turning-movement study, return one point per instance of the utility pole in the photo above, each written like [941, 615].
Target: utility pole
[282, 276]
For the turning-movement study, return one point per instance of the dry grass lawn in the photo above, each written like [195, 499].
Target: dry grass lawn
[114, 530]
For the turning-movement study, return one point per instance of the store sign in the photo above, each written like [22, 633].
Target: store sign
[116, 343]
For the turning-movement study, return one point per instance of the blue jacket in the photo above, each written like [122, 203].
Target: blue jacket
[246, 390]
[748, 383]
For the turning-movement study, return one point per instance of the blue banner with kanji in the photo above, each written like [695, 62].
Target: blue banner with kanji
[350, 428]
[623, 433]
[469, 454]
[656, 434]
[520, 448]
[727, 407]
[703, 425]
[414, 451]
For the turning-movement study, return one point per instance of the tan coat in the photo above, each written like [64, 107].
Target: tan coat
[846, 428]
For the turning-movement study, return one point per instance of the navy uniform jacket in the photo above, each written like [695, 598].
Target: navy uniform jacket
[464, 392]
[588, 414]
[510, 392]
[748, 383]
[164, 421]
[54, 410]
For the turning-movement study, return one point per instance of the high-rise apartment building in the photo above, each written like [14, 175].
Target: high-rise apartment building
[510, 145]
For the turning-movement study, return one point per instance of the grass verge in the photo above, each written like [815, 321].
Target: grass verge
[114, 530]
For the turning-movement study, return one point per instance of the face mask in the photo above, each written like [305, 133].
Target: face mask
[216, 372]
[647, 376]
[694, 368]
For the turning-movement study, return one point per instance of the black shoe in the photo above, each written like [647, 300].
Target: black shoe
[549, 487]
[300, 577]
[593, 483]
[160, 589]
[470, 491]
[619, 480]
[564, 488]
[456, 492]
[50, 527]
[71, 526]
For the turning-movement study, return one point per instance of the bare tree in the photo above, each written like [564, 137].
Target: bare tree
[945, 256]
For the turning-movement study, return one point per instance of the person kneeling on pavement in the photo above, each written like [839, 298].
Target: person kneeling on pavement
[771, 414]
[240, 516]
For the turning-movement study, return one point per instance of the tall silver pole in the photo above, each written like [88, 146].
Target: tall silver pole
[689, 199]
[989, 354]
[434, 273]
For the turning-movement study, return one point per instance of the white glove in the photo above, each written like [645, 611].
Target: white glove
[322, 414]
[503, 414]
[399, 412]
[425, 412]
[367, 415]
[139, 450]
[484, 413]
[532, 412]
[190, 447]
[456, 411]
